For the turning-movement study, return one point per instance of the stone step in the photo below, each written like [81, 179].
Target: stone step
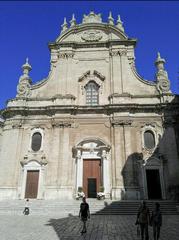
[103, 207]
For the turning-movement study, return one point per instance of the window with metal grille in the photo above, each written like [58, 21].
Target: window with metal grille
[149, 139]
[36, 141]
[92, 93]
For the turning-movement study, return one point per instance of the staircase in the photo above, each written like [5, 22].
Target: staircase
[131, 208]
[71, 207]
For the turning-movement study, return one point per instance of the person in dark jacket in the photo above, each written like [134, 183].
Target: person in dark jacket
[156, 221]
[84, 214]
[143, 218]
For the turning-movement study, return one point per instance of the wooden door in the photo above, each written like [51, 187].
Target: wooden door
[91, 173]
[32, 184]
[92, 187]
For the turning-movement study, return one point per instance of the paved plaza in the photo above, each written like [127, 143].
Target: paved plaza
[31, 227]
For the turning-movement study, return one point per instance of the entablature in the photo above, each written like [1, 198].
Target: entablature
[108, 109]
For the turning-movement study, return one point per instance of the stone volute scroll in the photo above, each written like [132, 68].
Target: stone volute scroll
[163, 83]
[23, 88]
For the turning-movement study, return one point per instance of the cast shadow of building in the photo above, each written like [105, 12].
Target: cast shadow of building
[154, 173]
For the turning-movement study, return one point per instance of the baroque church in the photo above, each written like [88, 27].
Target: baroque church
[94, 124]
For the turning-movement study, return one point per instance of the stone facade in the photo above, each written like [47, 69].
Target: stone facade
[105, 121]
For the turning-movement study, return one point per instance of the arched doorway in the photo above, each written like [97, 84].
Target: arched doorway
[92, 167]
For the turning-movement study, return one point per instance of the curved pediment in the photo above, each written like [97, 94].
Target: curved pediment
[91, 32]
[92, 29]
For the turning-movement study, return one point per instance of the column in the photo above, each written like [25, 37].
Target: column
[118, 189]
[124, 69]
[129, 165]
[79, 172]
[116, 72]
[106, 179]
[41, 190]
[141, 177]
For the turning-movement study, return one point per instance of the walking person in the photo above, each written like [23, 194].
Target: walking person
[156, 221]
[26, 209]
[143, 219]
[84, 214]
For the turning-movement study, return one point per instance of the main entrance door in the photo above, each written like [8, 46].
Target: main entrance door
[32, 184]
[91, 177]
[153, 184]
[91, 187]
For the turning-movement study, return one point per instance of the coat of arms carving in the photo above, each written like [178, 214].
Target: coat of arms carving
[92, 35]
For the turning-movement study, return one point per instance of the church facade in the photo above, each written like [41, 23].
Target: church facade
[93, 124]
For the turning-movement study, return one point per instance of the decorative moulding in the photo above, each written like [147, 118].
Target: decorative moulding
[37, 157]
[65, 96]
[92, 75]
[121, 122]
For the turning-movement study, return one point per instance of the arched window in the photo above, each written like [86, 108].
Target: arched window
[149, 139]
[92, 93]
[36, 141]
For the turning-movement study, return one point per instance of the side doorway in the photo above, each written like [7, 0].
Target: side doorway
[153, 184]
[32, 181]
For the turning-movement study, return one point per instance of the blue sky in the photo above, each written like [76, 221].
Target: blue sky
[26, 27]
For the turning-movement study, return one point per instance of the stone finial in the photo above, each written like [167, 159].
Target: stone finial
[73, 21]
[64, 25]
[26, 67]
[163, 83]
[23, 88]
[110, 19]
[159, 63]
[120, 24]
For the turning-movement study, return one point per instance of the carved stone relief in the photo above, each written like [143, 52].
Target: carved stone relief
[66, 55]
[163, 85]
[92, 35]
[121, 122]
[92, 18]
[62, 124]
[40, 158]
[119, 52]
[23, 89]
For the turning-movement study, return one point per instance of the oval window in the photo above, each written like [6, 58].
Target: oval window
[149, 139]
[36, 141]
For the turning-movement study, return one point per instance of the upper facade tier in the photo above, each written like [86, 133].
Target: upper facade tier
[92, 30]
[92, 63]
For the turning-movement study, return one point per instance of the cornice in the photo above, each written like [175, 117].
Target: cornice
[106, 44]
[170, 108]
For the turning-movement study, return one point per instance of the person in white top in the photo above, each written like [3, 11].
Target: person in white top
[26, 209]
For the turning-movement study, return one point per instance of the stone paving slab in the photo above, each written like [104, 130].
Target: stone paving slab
[68, 228]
